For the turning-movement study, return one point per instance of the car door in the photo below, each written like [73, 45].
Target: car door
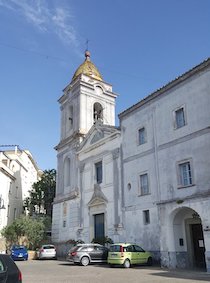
[140, 255]
[96, 253]
[3, 272]
[103, 253]
[91, 252]
[129, 253]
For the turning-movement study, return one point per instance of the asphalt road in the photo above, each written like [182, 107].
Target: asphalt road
[55, 271]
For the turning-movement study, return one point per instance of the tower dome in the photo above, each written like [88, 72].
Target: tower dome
[87, 68]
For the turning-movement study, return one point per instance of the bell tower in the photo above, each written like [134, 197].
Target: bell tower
[86, 100]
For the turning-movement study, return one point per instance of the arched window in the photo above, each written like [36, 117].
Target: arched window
[69, 119]
[97, 112]
[67, 172]
[70, 116]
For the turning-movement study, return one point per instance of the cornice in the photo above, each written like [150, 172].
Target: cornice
[179, 200]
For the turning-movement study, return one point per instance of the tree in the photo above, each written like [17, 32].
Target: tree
[42, 194]
[26, 229]
[48, 184]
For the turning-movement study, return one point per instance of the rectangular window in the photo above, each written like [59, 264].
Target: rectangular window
[180, 118]
[8, 211]
[146, 217]
[15, 213]
[185, 174]
[142, 136]
[64, 223]
[98, 170]
[144, 184]
[16, 192]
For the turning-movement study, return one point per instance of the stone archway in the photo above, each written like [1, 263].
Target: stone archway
[187, 245]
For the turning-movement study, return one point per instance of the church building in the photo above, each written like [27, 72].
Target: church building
[146, 181]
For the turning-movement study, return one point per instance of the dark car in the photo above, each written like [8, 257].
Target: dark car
[9, 272]
[19, 253]
[88, 253]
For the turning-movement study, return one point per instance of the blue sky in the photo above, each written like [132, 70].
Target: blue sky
[137, 45]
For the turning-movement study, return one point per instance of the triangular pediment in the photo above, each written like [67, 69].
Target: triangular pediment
[97, 133]
[98, 197]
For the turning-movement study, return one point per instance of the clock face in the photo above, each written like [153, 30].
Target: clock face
[99, 90]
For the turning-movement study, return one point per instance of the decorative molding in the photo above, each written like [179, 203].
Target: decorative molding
[81, 167]
[98, 196]
[72, 195]
[116, 153]
[185, 138]
[194, 196]
[98, 136]
[169, 144]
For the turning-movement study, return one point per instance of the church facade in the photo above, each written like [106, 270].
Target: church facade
[146, 181]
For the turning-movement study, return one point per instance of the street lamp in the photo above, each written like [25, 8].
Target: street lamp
[2, 206]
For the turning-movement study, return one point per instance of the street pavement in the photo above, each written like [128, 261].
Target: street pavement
[56, 271]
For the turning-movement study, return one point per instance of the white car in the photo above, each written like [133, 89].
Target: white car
[47, 252]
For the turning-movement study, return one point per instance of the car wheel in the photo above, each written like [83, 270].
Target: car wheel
[85, 261]
[127, 263]
[149, 261]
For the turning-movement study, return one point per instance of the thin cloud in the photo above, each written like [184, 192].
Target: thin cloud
[38, 13]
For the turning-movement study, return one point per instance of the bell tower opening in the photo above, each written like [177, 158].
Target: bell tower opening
[97, 112]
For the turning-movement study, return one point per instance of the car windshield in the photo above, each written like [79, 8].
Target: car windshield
[48, 247]
[18, 248]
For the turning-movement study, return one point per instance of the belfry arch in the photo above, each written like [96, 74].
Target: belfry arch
[97, 112]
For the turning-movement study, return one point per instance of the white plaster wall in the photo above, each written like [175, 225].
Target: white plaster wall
[56, 222]
[147, 236]
[130, 126]
[159, 157]
[158, 118]
[132, 170]
[162, 139]
[90, 157]
[5, 182]
[192, 94]
[23, 168]
[197, 149]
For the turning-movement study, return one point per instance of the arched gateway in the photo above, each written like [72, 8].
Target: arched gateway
[182, 239]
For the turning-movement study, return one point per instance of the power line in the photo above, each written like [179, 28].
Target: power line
[31, 51]
[46, 56]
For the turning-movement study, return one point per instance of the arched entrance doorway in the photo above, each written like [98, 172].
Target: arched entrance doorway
[188, 237]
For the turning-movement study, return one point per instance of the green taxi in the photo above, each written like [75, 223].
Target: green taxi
[127, 254]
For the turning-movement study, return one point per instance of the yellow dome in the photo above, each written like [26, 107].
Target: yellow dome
[88, 68]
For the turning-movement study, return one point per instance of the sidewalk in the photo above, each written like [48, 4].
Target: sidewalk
[195, 275]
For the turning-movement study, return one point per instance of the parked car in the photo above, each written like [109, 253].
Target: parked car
[85, 254]
[19, 252]
[47, 252]
[127, 254]
[9, 272]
